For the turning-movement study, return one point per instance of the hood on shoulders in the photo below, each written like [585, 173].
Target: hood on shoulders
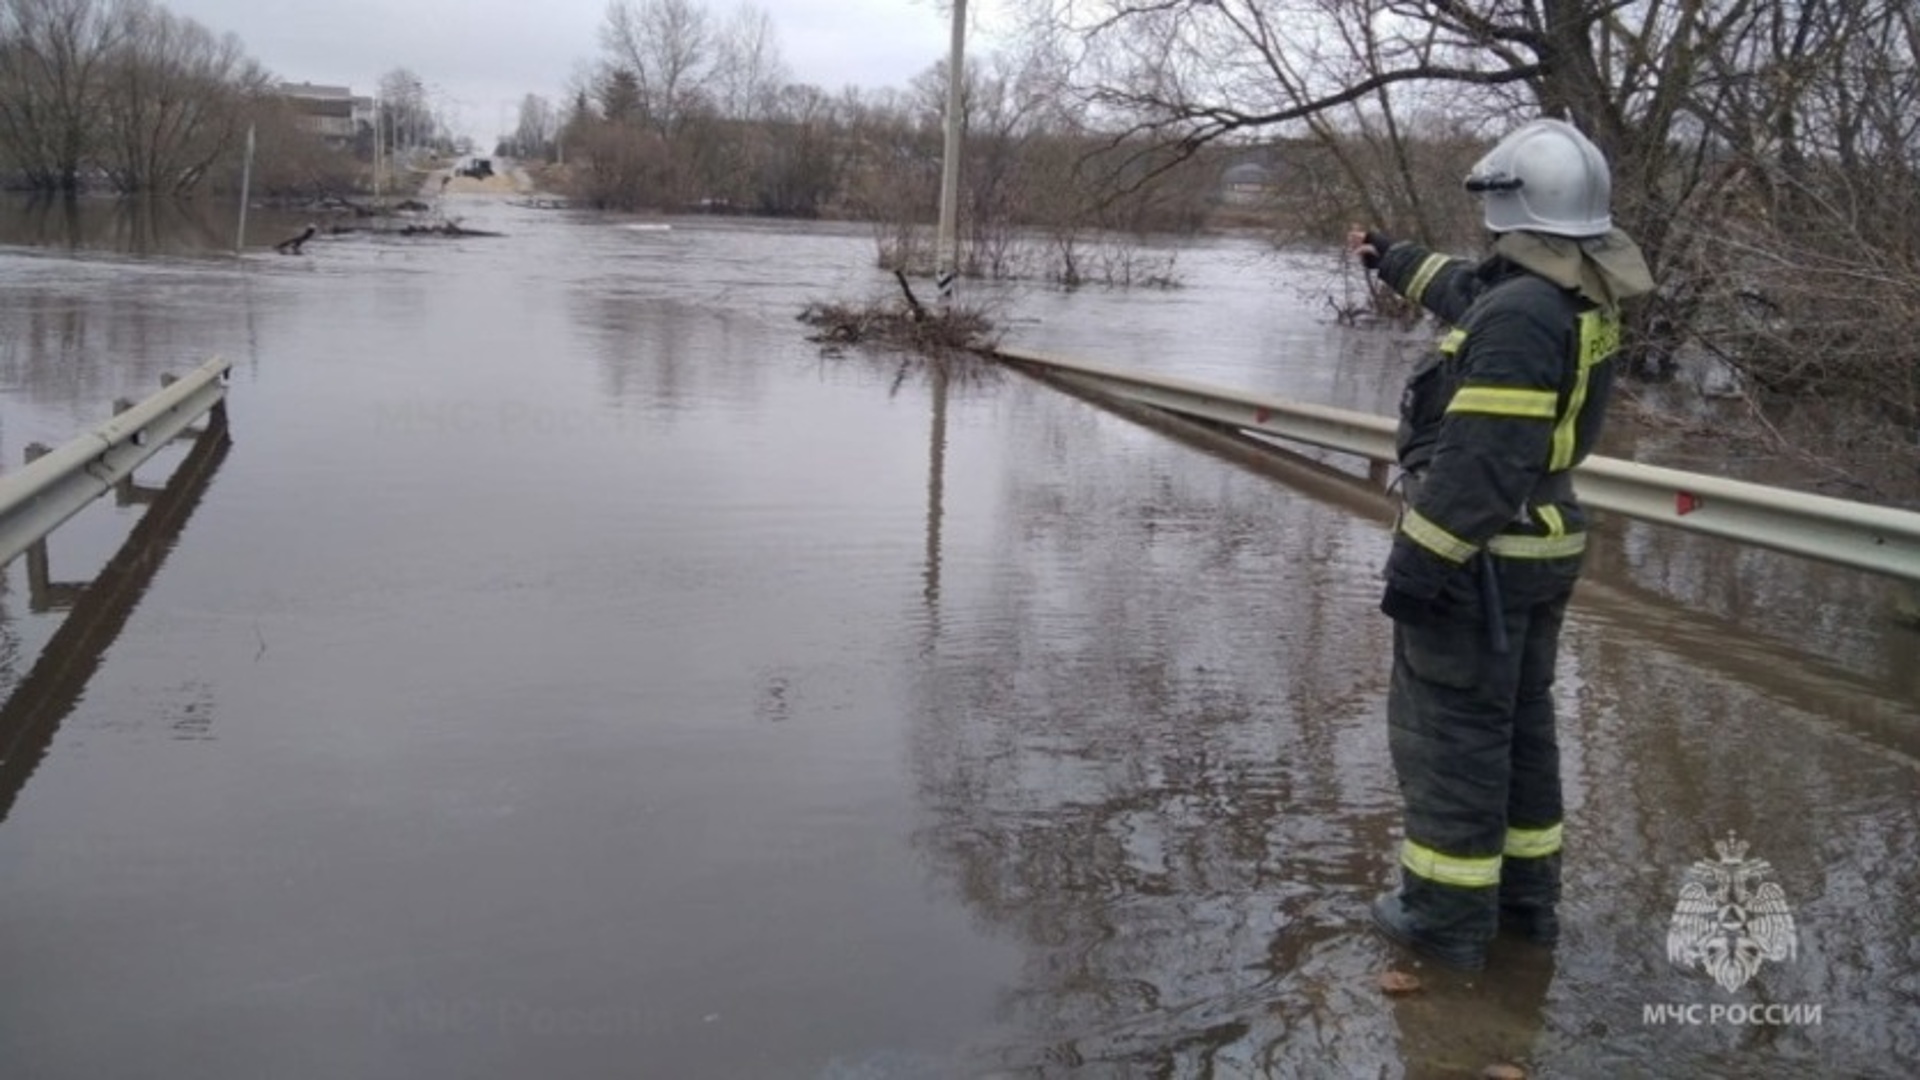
[1603, 269]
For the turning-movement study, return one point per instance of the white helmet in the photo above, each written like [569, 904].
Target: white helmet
[1545, 177]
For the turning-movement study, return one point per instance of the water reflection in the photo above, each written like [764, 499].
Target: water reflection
[97, 610]
[1666, 758]
[80, 334]
[132, 226]
[936, 491]
[1453, 1028]
[1129, 743]
[645, 345]
[1153, 754]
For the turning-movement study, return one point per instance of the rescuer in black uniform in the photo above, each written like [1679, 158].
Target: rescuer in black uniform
[1490, 538]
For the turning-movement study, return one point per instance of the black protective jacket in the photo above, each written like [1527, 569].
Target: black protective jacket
[1492, 422]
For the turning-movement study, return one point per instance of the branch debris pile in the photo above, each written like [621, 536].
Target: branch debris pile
[906, 324]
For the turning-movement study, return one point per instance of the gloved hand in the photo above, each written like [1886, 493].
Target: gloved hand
[1404, 607]
[1369, 245]
[1379, 243]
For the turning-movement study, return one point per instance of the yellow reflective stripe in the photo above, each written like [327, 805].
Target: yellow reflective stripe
[1532, 843]
[1505, 401]
[1421, 531]
[1472, 873]
[1566, 431]
[1451, 343]
[1424, 276]
[1538, 547]
[1550, 517]
[1599, 340]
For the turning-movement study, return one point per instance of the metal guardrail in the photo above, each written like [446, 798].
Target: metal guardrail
[1880, 539]
[59, 484]
[96, 613]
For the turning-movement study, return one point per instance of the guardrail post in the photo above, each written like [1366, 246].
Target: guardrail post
[128, 492]
[37, 576]
[42, 594]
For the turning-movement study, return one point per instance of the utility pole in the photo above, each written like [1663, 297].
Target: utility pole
[246, 194]
[946, 250]
[379, 149]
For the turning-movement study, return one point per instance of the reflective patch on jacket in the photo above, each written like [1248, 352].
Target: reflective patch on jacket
[1599, 340]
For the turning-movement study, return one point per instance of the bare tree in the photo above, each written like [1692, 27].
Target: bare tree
[724, 142]
[669, 47]
[891, 166]
[616, 165]
[1193, 71]
[801, 166]
[173, 100]
[52, 56]
[537, 129]
[406, 117]
[749, 72]
[1797, 260]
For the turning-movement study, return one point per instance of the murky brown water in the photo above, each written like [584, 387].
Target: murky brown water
[568, 671]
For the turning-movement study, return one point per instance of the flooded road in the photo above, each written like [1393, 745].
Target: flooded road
[570, 671]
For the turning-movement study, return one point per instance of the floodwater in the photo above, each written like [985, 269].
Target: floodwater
[568, 670]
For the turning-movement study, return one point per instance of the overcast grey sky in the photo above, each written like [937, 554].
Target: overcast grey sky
[480, 57]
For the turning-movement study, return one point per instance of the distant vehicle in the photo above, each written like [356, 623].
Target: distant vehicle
[478, 168]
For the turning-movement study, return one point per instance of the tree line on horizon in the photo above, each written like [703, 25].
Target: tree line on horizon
[684, 110]
[128, 97]
[1766, 153]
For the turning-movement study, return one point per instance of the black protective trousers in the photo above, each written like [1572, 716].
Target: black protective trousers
[1472, 735]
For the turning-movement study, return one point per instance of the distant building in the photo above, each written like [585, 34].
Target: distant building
[1247, 184]
[333, 112]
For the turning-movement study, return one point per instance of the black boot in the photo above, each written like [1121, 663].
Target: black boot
[1399, 919]
[1529, 898]
[1540, 925]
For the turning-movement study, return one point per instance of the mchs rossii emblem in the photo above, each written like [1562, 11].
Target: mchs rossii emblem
[1730, 920]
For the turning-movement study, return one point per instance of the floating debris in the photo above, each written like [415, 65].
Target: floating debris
[908, 324]
[444, 228]
[292, 244]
